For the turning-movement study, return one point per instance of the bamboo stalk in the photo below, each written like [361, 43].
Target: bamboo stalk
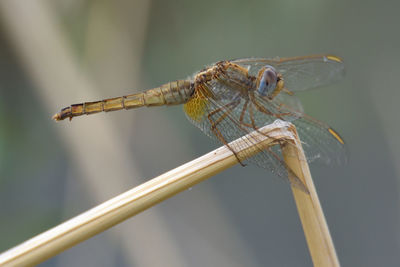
[130, 203]
[315, 228]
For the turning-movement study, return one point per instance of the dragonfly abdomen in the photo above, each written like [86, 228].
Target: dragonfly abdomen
[172, 93]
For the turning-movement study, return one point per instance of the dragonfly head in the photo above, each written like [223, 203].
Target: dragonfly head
[269, 82]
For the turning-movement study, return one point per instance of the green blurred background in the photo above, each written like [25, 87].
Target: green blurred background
[54, 53]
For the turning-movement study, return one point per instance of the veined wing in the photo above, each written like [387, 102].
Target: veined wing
[290, 101]
[228, 121]
[320, 142]
[300, 73]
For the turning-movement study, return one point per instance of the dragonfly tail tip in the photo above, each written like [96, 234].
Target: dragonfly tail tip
[56, 117]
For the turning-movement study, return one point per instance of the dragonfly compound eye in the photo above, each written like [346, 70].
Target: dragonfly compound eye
[268, 79]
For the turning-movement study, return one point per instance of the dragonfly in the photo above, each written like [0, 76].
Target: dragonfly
[231, 98]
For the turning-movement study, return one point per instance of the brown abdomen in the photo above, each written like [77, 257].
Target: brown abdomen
[172, 93]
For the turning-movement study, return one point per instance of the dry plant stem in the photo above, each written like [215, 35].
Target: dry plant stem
[128, 204]
[315, 228]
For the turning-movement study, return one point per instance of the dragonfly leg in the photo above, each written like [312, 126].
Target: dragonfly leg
[264, 110]
[253, 124]
[243, 112]
[241, 118]
[294, 179]
[215, 123]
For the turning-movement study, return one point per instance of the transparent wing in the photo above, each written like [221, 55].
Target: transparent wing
[320, 142]
[224, 122]
[290, 101]
[300, 73]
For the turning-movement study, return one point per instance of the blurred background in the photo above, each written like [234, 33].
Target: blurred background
[54, 53]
